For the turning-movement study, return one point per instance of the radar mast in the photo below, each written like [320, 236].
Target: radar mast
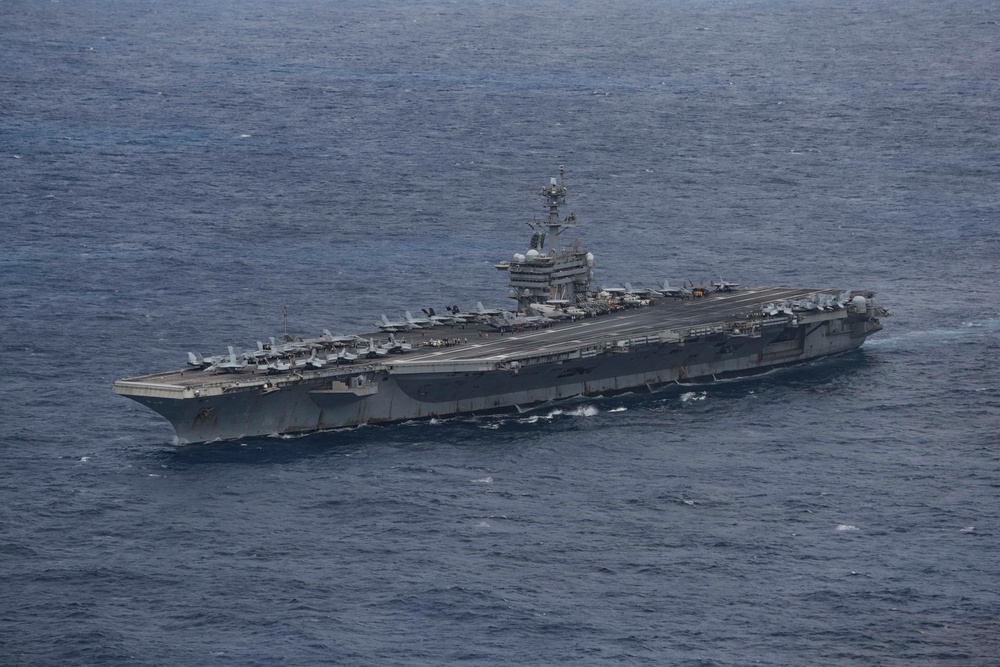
[555, 196]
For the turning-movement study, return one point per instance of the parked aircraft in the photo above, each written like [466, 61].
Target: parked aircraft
[289, 345]
[418, 322]
[772, 309]
[440, 319]
[231, 365]
[386, 325]
[552, 310]
[724, 285]
[460, 317]
[263, 352]
[275, 366]
[311, 362]
[344, 356]
[398, 346]
[666, 289]
[339, 339]
[195, 359]
[510, 320]
[481, 310]
[371, 350]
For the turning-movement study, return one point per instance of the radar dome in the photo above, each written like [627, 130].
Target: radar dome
[590, 259]
[518, 257]
[532, 254]
[859, 302]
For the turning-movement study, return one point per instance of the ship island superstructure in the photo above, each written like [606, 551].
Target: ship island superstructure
[564, 339]
[558, 276]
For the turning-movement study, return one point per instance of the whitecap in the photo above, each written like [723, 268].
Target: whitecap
[621, 409]
[693, 396]
[483, 480]
[968, 529]
[846, 527]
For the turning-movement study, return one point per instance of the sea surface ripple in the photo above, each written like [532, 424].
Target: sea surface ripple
[173, 175]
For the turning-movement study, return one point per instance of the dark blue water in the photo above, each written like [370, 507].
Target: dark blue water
[173, 174]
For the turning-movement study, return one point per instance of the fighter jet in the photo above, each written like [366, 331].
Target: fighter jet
[780, 309]
[458, 316]
[637, 291]
[509, 320]
[418, 322]
[312, 361]
[666, 289]
[275, 366]
[232, 365]
[345, 357]
[371, 351]
[289, 345]
[398, 346]
[195, 359]
[440, 320]
[339, 339]
[385, 325]
[263, 352]
[724, 285]
[697, 291]
[481, 310]
[551, 309]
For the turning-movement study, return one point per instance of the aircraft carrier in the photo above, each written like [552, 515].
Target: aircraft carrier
[563, 339]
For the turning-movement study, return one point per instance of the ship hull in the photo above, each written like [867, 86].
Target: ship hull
[402, 391]
[588, 343]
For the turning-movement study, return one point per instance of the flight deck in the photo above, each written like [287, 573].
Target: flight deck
[479, 342]
[668, 314]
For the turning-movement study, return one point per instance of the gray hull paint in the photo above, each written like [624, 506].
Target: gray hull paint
[307, 404]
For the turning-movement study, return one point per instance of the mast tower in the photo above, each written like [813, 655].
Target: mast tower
[551, 273]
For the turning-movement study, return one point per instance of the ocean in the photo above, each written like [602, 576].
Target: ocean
[173, 176]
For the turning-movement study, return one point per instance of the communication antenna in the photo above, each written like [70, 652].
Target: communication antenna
[555, 196]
